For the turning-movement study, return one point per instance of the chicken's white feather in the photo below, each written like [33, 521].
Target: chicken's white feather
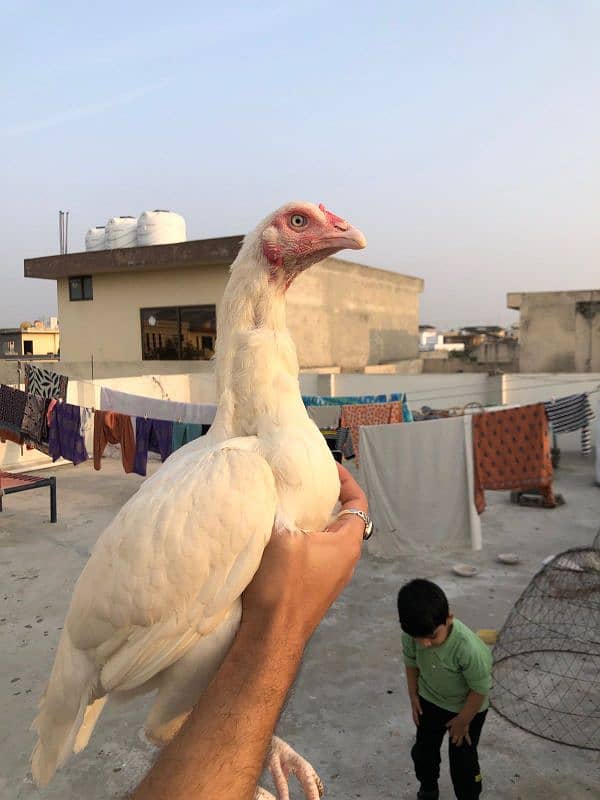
[158, 603]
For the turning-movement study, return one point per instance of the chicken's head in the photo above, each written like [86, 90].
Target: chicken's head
[299, 235]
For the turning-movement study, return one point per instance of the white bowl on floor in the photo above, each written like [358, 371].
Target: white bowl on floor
[464, 570]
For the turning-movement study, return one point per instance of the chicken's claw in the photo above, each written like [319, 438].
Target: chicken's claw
[284, 761]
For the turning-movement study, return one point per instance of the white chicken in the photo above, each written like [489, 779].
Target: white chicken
[158, 603]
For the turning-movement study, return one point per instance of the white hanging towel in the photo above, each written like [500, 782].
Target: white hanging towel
[139, 406]
[419, 481]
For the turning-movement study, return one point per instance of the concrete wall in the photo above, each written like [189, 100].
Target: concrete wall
[436, 391]
[340, 314]
[343, 314]
[587, 337]
[499, 352]
[9, 371]
[559, 331]
[108, 327]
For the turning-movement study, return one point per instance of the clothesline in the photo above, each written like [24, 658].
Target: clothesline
[426, 394]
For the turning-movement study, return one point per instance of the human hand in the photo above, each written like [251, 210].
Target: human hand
[415, 705]
[458, 730]
[300, 575]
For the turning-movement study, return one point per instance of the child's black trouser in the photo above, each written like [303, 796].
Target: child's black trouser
[464, 764]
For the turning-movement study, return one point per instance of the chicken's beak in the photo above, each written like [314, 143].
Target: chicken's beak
[345, 237]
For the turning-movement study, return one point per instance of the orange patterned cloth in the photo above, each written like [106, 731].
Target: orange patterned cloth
[511, 450]
[354, 417]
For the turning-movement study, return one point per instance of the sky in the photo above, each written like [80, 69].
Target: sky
[462, 138]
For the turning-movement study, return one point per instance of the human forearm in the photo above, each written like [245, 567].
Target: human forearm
[240, 708]
[472, 705]
[412, 681]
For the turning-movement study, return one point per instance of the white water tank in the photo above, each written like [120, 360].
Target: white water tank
[95, 238]
[121, 232]
[160, 227]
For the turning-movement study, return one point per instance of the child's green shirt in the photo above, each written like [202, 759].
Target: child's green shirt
[448, 672]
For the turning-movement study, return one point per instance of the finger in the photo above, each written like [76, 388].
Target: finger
[468, 739]
[340, 532]
[280, 780]
[351, 494]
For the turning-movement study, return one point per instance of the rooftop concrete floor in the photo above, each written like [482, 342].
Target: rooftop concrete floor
[349, 712]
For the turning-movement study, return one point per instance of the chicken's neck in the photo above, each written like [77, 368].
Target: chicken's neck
[256, 361]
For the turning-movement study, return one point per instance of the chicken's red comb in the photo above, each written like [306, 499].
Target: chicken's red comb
[330, 215]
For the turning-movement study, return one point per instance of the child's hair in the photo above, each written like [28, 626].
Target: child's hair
[422, 607]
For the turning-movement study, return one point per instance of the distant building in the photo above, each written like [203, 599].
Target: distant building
[30, 339]
[128, 309]
[430, 340]
[427, 337]
[558, 331]
[501, 353]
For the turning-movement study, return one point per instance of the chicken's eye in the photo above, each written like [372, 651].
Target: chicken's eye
[298, 221]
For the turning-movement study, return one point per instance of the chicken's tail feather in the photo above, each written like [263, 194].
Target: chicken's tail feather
[62, 711]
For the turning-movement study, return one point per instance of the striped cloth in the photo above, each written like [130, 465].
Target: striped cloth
[572, 413]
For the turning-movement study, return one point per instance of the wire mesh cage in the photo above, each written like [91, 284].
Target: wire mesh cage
[547, 657]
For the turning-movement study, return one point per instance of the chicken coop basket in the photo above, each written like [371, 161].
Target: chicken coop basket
[547, 657]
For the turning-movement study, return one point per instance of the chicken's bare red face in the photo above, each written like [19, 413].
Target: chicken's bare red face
[301, 235]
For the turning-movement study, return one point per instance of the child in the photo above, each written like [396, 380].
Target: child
[449, 675]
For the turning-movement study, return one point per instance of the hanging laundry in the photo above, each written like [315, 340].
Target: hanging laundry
[185, 432]
[322, 400]
[49, 405]
[355, 416]
[45, 383]
[64, 437]
[511, 450]
[138, 406]
[33, 417]
[155, 435]
[324, 416]
[113, 428]
[87, 420]
[12, 408]
[406, 412]
[572, 413]
[344, 443]
[417, 503]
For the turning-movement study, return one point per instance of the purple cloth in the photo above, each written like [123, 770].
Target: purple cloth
[64, 436]
[151, 434]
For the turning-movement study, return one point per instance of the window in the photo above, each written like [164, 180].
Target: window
[81, 288]
[11, 346]
[27, 347]
[178, 333]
